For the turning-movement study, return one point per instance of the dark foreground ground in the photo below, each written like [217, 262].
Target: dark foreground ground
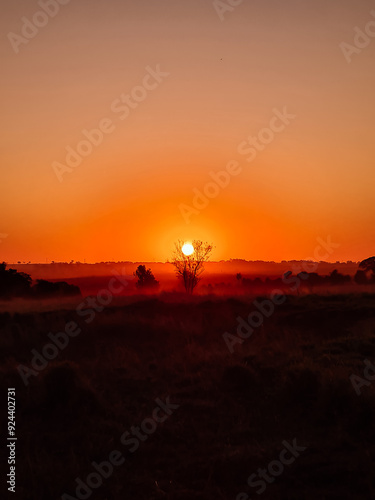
[289, 381]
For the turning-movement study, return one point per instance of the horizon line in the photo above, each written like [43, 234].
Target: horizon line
[166, 262]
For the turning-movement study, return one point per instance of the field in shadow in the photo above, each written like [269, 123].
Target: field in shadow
[289, 381]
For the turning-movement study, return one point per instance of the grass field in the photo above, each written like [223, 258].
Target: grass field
[289, 381]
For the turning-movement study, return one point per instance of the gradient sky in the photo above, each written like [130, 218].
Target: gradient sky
[316, 178]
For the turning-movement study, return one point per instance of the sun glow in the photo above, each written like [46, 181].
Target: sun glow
[187, 249]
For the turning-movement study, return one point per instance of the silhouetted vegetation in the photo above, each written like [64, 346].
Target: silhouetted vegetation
[19, 285]
[44, 288]
[306, 281]
[368, 267]
[146, 280]
[360, 278]
[14, 284]
[189, 268]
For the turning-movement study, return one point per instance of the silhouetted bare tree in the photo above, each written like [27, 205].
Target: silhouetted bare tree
[190, 267]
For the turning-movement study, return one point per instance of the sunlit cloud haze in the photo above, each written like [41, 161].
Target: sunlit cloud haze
[225, 79]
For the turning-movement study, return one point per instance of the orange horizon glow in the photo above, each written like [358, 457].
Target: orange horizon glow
[208, 85]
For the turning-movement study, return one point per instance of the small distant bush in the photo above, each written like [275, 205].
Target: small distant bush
[146, 279]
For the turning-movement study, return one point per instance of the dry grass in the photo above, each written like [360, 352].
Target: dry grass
[289, 380]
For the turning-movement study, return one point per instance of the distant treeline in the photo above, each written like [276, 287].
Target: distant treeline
[365, 275]
[20, 285]
[313, 279]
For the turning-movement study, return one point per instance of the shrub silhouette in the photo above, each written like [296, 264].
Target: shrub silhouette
[14, 284]
[45, 288]
[360, 278]
[368, 265]
[145, 278]
[335, 278]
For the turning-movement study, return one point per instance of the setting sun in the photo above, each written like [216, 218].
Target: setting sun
[187, 249]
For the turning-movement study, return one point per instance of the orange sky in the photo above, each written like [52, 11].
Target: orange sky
[315, 178]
